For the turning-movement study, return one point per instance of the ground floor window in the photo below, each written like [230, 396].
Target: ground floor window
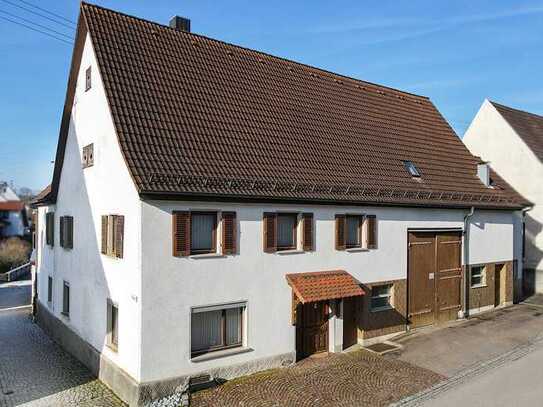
[217, 327]
[66, 299]
[49, 289]
[381, 296]
[478, 276]
[112, 325]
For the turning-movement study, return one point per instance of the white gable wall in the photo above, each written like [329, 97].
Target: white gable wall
[493, 139]
[87, 194]
[171, 286]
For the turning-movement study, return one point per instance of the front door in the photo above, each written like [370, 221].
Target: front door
[350, 330]
[434, 277]
[314, 327]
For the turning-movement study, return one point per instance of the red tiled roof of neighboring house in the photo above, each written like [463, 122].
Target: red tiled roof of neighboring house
[12, 206]
[528, 126]
[197, 117]
[324, 285]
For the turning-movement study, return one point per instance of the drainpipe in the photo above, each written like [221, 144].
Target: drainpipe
[465, 233]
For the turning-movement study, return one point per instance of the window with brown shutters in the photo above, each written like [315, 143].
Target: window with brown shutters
[370, 224]
[353, 231]
[270, 232]
[112, 242]
[88, 78]
[50, 228]
[307, 231]
[340, 232]
[229, 233]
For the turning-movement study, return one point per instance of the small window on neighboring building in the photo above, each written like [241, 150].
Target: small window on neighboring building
[215, 328]
[4, 214]
[112, 325]
[66, 232]
[286, 231]
[66, 299]
[478, 276]
[88, 79]
[353, 235]
[50, 228]
[381, 297]
[87, 159]
[113, 235]
[411, 169]
[203, 232]
[49, 289]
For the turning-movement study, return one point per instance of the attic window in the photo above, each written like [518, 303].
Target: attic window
[88, 79]
[411, 169]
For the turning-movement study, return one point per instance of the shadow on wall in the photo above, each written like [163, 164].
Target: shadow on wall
[533, 255]
[84, 334]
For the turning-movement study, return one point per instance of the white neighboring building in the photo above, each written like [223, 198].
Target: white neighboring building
[13, 220]
[218, 210]
[512, 142]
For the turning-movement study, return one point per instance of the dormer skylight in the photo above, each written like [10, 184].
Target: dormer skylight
[411, 169]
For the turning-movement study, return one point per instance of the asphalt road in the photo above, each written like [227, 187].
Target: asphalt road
[518, 383]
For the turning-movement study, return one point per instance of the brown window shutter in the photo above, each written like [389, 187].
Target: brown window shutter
[307, 231]
[181, 233]
[229, 233]
[340, 232]
[104, 234]
[50, 228]
[270, 232]
[62, 231]
[69, 232]
[119, 236]
[372, 231]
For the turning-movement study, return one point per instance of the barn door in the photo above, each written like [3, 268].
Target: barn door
[421, 278]
[448, 276]
[434, 277]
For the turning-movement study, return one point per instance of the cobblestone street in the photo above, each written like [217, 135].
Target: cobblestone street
[359, 378]
[36, 372]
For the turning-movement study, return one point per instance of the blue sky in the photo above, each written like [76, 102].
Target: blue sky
[456, 52]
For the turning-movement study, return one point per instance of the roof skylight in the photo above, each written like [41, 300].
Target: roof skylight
[411, 169]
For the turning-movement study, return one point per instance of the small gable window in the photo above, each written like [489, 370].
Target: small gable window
[88, 79]
[411, 169]
[87, 159]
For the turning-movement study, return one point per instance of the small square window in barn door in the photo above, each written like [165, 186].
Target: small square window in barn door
[434, 277]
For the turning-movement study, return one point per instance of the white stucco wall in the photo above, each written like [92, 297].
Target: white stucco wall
[171, 286]
[493, 139]
[87, 194]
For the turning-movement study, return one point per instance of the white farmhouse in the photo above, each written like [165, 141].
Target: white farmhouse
[512, 141]
[217, 211]
[13, 220]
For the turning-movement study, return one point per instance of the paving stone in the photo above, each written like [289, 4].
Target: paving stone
[36, 372]
[339, 380]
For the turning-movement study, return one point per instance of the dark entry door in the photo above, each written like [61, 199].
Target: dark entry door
[314, 327]
[349, 322]
[434, 277]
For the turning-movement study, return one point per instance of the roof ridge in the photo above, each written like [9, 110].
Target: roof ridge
[514, 109]
[241, 47]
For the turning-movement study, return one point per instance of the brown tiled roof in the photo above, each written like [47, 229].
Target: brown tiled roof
[528, 126]
[43, 197]
[324, 285]
[199, 117]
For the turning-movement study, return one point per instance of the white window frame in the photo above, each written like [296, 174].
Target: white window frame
[482, 274]
[244, 328]
[389, 295]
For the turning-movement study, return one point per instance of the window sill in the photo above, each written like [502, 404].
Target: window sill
[479, 286]
[112, 347]
[220, 354]
[65, 315]
[207, 256]
[357, 249]
[290, 251]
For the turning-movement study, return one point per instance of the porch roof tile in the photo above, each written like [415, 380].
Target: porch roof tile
[324, 285]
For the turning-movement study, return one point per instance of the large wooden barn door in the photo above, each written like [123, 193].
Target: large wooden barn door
[434, 277]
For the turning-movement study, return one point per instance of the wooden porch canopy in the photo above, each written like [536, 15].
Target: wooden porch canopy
[323, 285]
